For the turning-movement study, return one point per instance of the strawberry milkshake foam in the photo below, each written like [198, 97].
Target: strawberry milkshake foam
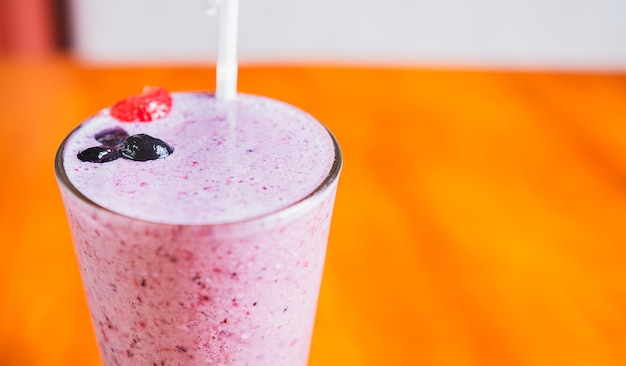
[201, 229]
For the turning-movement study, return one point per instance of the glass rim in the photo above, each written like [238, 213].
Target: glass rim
[330, 178]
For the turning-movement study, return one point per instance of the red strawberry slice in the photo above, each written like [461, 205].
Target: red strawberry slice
[152, 104]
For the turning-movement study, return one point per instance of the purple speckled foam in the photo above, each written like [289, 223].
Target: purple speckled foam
[271, 156]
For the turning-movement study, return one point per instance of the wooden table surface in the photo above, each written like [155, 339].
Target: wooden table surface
[480, 219]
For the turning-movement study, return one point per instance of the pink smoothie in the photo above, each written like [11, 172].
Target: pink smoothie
[212, 255]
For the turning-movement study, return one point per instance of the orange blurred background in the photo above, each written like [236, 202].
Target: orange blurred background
[480, 219]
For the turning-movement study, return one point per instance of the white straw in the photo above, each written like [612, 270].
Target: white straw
[226, 88]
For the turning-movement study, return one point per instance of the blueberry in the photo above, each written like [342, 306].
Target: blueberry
[98, 154]
[142, 147]
[112, 136]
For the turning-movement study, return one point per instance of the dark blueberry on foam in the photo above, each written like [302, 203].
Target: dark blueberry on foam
[111, 136]
[98, 154]
[142, 147]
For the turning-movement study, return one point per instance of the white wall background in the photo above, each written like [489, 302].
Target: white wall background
[563, 34]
